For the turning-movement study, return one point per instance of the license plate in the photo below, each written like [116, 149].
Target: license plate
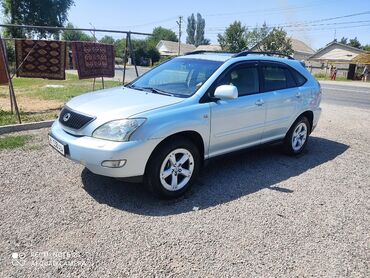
[61, 148]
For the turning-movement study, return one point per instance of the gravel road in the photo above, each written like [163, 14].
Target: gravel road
[251, 214]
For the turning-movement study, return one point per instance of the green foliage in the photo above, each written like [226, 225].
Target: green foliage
[195, 30]
[276, 41]
[366, 47]
[35, 12]
[234, 38]
[354, 43]
[257, 35]
[72, 35]
[144, 51]
[190, 29]
[13, 142]
[237, 38]
[120, 47]
[107, 40]
[160, 33]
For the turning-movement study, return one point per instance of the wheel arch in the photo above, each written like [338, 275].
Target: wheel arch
[309, 115]
[191, 135]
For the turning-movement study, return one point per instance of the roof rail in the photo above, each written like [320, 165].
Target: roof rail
[246, 53]
[203, 51]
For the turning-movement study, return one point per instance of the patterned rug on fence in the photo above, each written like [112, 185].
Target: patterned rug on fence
[93, 59]
[3, 76]
[41, 59]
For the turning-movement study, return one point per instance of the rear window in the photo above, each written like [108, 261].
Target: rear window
[300, 79]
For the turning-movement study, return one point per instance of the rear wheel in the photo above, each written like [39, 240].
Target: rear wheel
[297, 137]
[173, 168]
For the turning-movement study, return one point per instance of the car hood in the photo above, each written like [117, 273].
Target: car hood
[119, 103]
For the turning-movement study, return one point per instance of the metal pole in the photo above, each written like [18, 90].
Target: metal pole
[179, 24]
[132, 54]
[11, 88]
[102, 82]
[125, 61]
[73, 29]
[10, 94]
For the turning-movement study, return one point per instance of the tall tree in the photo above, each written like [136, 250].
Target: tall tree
[73, 35]
[195, 30]
[199, 34]
[35, 12]
[234, 37]
[190, 29]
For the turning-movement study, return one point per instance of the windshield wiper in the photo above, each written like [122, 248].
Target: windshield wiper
[158, 91]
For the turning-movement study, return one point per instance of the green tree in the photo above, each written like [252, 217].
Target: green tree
[257, 35]
[344, 40]
[234, 38]
[107, 40]
[366, 47]
[190, 29]
[143, 51]
[199, 34]
[74, 35]
[354, 43]
[35, 12]
[195, 30]
[160, 33]
[277, 41]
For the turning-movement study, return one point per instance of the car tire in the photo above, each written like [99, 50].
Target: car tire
[173, 167]
[297, 137]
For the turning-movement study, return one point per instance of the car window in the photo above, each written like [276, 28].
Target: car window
[179, 76]
[277, 78]
[244, 78]
[298, 77]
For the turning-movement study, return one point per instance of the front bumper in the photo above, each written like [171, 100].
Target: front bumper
[91, 152]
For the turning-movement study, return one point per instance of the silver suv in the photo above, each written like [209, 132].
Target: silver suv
[163, 125]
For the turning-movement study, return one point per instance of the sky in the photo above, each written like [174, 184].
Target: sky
[309, 21]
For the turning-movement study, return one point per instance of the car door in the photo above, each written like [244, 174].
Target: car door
[239, 122]
[282, 98]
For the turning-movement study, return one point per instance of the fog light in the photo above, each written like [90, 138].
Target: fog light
[113, 163]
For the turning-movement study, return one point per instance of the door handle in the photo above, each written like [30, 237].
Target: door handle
[260, 102]
[298, 95]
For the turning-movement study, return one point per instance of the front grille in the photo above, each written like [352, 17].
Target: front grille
[72, 119]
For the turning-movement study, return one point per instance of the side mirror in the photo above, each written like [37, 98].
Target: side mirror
[226, 92]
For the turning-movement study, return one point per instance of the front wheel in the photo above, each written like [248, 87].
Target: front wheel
[297, 137]
[173, 168]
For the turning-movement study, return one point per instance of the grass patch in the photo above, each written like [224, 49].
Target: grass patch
[7, 118]
[13, 142]
[72, 86]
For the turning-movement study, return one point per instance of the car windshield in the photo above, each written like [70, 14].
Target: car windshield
[180, 77]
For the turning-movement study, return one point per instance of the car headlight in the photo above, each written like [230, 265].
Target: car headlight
[118, 130]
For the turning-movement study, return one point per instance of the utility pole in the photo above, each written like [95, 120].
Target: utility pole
[179, 22]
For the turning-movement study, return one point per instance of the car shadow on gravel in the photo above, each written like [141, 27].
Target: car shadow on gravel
[224, 179]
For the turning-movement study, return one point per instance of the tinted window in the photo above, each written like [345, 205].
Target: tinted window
[290, 81]
[299, 77]
[274, 78]
[244, 78]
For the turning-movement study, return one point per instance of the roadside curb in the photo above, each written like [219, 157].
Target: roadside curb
[23, 127]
